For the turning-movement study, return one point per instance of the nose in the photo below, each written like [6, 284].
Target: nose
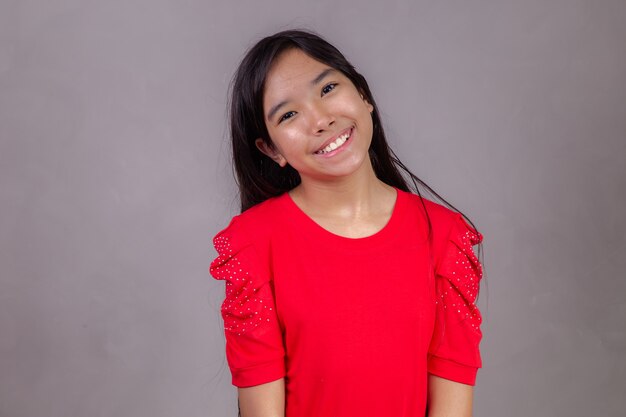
[320, 117]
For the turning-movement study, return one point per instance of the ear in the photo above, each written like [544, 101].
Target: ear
[271, 152]
[367, 103]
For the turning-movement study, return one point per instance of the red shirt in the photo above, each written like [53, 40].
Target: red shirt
[354, 325]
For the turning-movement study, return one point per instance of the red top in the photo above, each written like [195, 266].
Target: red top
[354, 325]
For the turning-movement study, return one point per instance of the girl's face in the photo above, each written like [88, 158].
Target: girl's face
[316, 118]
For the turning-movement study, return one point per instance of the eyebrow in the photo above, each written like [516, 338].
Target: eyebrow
[323, 74]
[315, 81]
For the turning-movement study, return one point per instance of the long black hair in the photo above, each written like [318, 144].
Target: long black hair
[258, 176]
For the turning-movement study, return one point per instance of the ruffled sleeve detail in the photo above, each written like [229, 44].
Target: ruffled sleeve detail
[254, 345]
[454, 350]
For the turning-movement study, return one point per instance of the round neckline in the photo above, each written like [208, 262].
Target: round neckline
[309, 226]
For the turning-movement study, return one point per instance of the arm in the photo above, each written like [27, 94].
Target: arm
[447, 398]
[254, 340]
[265, 400]
[454, 354]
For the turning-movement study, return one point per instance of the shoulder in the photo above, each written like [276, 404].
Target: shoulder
[254, 225]
[441, 217]
[448, 226]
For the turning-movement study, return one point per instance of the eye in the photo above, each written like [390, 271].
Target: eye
[286, 116]
[328, 88]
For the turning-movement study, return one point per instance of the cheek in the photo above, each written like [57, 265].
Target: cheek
[286, 140]
[354, 105]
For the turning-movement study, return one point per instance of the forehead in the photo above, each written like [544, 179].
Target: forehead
[292, 70]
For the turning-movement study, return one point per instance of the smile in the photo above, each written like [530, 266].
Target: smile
[337, 143]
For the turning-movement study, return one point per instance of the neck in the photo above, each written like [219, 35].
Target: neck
[350, 197]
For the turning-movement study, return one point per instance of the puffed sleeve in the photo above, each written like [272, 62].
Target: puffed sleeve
[454, 349]
[254, 344]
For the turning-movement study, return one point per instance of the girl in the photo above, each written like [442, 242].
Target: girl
[346, 294]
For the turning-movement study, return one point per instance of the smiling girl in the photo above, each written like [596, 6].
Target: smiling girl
[346, 293]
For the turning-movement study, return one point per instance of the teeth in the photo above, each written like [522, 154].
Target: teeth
[334, 145]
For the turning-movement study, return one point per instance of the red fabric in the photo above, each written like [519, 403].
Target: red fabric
[354, 325]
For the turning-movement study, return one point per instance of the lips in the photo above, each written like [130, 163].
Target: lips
[335, 142]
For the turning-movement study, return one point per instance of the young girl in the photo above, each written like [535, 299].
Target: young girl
[346, 294]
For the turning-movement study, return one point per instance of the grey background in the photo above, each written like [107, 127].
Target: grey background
[114, 176]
